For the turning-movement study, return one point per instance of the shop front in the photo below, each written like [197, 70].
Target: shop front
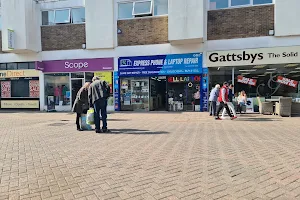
[268, 73]
[20, 89]
[161, 83]
[64, 78]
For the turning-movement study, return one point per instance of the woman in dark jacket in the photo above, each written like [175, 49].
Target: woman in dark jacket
[81, 104]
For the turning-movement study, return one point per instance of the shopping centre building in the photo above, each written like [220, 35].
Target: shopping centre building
[156, 55]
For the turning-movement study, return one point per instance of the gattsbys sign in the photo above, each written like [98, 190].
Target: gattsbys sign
[259, 56]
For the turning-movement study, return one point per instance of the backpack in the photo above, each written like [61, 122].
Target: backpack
[106, 89]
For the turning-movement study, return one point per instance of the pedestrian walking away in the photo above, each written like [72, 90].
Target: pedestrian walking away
[81, 104]
[99, 92]
[213, 97]
[223, 99]
[229, 103]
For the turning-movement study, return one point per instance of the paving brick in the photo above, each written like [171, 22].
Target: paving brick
[165, 158]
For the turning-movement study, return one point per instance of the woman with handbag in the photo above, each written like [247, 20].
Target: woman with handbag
[81, 104]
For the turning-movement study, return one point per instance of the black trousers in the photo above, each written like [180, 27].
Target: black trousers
[78, 116]
[221, 106]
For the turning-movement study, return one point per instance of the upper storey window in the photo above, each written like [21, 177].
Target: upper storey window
[144, 8]
[221, 4]
[63, 16]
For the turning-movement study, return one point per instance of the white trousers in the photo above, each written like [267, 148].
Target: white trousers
[231, 107]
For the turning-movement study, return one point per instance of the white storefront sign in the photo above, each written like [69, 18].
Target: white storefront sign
[261, 56]
[11, 39]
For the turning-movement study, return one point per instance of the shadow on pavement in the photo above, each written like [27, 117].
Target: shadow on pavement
[118, 120]
[257, 119]
[136, 132]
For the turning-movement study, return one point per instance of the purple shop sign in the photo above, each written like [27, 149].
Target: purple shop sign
[78, 65]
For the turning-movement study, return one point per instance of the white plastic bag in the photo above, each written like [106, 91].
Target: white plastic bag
[84, 125]
[90, 117]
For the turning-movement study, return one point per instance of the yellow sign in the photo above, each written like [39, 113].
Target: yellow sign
[20, 104]
[19, 73]
[105, 76]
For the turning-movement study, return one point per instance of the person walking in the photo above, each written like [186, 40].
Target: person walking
[223, 99]
[213, 97]
[81, 104]
[99, 92]
[229, 103]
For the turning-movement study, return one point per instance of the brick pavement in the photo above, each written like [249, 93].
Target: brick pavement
[149, 156]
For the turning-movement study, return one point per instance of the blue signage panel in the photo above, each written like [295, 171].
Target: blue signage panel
[160, 65]
[204, 90]
[116, 91]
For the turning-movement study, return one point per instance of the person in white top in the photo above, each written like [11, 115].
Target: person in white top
[242, 100]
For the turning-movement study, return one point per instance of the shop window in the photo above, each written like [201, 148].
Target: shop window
[78, 15]
[22, 65]
[142, 8]
[135, 94]
[3, 66]
[20, 88]
[131, 10]
[57, 89]
[12, 66]
[220, 4]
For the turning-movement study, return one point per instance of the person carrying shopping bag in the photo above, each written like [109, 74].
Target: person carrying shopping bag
[81, 104]
[99, 92]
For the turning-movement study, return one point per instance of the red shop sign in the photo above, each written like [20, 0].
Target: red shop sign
[248, 81]
[287, 81]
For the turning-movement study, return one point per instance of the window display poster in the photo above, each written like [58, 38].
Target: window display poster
[116, 91]
[127, 99]
[204, 90]
[5, 89]
[107, 77]
[34, 89]
[287, 81]
[50, 103]
[249, 106]
[248, 81]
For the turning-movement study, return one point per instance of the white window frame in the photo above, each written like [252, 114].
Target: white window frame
[68, 17]
[141, 14]
[239, 6]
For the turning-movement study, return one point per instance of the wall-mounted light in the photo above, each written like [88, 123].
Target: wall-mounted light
[271, 32]
[83, 46]
[119, 31]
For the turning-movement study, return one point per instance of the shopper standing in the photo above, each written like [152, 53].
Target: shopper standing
[81, 104]
[223, 99]
[242, 101]
[99, 92]
[213, 97]
[229, 103]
